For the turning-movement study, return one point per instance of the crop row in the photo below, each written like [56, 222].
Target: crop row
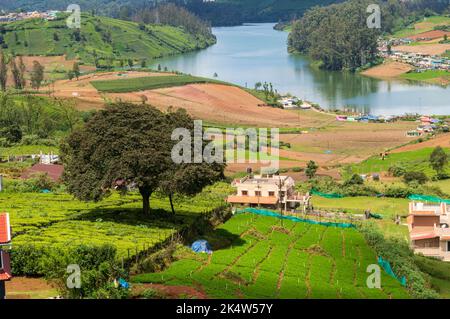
[289, 260]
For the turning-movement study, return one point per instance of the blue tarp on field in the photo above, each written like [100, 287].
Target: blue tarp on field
[293, 218]
[201, 246]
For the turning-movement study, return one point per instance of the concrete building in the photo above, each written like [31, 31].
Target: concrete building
[268, 190]
[429, 229]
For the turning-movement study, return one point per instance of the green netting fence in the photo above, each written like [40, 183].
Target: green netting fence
[326, 195]
[376, 216]
[426, 198]
[387, 268]
[269, 213]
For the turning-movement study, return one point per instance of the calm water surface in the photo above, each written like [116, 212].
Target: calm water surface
[254, 53]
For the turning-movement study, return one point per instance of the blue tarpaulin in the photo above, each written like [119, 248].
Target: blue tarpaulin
[201, 246]
[123, 283]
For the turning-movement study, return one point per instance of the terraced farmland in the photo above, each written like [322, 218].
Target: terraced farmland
[264, 259]
[59, 220]
[100, 39]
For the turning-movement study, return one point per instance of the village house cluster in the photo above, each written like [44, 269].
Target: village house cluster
[17, 16]
[421, 61]
[292, 102]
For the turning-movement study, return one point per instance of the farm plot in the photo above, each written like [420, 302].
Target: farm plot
[59, 220]
[260, 257]
[148, 83]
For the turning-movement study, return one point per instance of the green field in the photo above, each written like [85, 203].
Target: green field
[388, 208]
[28, 150]
[103, 39]
[148, 83]
[429, 76]
[431, 22]
[58, 219]
[257, 257]
[417, 160]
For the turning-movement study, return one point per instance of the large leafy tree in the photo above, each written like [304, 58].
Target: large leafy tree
[188, 178]
[128, 144]
[124, 143]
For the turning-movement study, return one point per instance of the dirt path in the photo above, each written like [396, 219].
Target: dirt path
[431, 49]
[441, 140]
[29, 288]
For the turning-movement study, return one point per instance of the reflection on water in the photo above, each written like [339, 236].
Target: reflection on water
[254, 53]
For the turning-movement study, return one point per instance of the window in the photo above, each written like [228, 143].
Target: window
[244, 193]
[271, 193]
[448, 246]
[1, 259]
[257, 193]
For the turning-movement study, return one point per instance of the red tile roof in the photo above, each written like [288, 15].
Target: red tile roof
[5, 229]
[54, 171]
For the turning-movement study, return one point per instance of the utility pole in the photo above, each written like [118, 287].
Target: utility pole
[280, 184]
[258, 187]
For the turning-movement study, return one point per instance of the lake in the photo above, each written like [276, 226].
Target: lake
[254, 53]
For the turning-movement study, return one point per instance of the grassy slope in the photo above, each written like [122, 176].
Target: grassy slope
[257, 257]
[387, 207]
[412, 160]
[432, 76]
[423, 26]
[127, 39]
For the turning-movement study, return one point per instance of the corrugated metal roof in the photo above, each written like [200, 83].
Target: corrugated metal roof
[54, 171]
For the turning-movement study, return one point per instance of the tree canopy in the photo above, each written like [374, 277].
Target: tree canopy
[128, 144]
[438, 159]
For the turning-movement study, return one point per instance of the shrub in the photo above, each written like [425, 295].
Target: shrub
[397, 192]
[36, 140]
[42, 181]
[26, 260]
[297, 169]
[398, 253]
[13, 134]
[419, 177]
[98, 267]
[151, 294]
[354, 180]
[396, 171]
[311, 169]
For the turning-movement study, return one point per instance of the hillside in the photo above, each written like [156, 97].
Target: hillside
[261, 257]
[100, 40]
[219, 12]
